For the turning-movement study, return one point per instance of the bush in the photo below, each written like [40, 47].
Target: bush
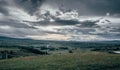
[70, 51]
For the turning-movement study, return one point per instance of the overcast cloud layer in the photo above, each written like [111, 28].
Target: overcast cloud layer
[77, 20]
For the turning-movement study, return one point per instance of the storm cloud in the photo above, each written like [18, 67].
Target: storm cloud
[29, 5]
[84, 20]
[89, 7]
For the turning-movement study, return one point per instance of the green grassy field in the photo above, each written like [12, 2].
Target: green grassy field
[9, 49]
[74, 61]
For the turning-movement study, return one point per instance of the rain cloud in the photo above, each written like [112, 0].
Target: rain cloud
[85, 20]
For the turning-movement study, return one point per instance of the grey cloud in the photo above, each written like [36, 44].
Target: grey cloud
[29, 5]
[15, 23]
[20, 32]
[103, 6]
[76, 31]
[61, 22]
[2, 7]
[87, 31]
[20, 28]
[84, 7]
[89, 7]
[109, 35]
[57, 22]
[67, 22]
[88, 23]
[115, 30]
[116, 15]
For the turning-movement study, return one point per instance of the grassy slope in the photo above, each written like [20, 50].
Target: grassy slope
[75, 61]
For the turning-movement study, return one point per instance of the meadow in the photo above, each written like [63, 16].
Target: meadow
[71, 61]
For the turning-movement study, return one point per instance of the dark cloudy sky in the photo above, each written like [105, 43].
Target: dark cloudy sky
[77, 20]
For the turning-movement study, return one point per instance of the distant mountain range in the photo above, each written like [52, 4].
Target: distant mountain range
[26, 39]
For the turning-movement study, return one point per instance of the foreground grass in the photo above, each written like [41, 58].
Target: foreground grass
[73, 61]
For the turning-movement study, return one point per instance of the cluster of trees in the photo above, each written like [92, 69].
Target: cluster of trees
[33, 50]
[8, 54]
[106, 49]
